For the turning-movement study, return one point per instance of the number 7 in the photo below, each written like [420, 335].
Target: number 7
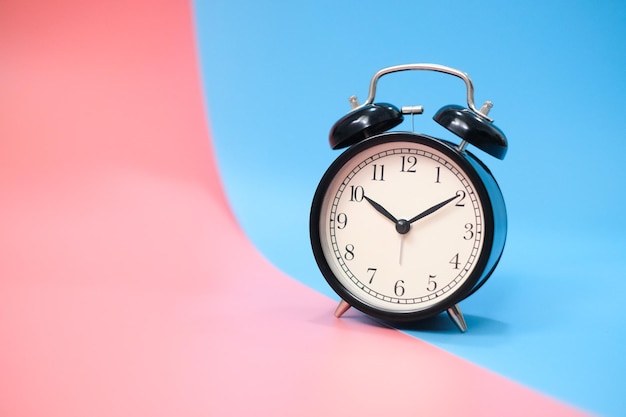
[373, 271]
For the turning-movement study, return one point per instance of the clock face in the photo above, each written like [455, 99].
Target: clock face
[401, 225]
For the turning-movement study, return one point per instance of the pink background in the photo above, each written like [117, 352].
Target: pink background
[127, 287]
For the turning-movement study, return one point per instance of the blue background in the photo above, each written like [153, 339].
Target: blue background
[277, 76]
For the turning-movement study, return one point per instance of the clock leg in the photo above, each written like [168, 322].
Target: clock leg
[456, 316]
[341, 308]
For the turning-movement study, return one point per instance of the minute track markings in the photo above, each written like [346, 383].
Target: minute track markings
[357, 177]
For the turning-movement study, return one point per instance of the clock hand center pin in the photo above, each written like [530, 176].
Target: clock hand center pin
[403, 226]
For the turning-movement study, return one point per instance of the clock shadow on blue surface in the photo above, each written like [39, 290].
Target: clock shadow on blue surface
[439, 324]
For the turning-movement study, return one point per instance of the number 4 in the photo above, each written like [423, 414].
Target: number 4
[455, 261]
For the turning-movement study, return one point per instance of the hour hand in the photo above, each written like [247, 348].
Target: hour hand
[381, 209]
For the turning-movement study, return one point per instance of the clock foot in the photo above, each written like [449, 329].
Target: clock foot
[341, 308]
[456, 316]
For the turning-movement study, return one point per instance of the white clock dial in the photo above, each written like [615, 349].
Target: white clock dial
[401, 226]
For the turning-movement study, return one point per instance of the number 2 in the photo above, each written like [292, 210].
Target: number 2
[461, 194]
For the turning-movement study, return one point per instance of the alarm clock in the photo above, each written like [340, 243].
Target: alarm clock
[404, 226]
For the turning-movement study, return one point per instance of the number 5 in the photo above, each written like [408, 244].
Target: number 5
[432, 284]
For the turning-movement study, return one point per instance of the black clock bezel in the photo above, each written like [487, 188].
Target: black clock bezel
[486, 193]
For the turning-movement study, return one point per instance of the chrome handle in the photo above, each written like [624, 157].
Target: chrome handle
[431, 67]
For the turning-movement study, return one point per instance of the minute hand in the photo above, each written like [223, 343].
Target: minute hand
[431, 210]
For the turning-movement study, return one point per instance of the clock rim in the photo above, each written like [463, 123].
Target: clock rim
[479, 273]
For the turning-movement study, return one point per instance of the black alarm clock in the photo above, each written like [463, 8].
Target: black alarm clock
[404, 226]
